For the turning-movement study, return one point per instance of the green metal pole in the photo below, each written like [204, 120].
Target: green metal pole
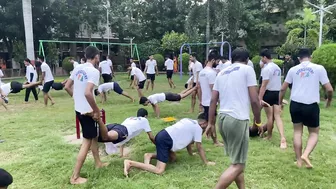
[137, 52]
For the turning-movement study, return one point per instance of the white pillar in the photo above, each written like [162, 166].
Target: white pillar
[28, 24]
[321, 25]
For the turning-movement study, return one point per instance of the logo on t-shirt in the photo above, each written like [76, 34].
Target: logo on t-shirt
[305, 72]
[276, 73]
[81, 75]
[230, 70]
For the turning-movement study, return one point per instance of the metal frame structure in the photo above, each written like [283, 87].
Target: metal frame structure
[195, 44]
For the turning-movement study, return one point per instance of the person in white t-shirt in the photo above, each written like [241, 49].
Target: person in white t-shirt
[104, 88]
[130, 72]
[169, 64]
[105, 68]
[196, 68]
[114, 135]
[305, 96]
[73, 62]
[223, 63]
[168, 141]
[31, 76]
[80, 86]
[189, 83]
[1, 74]
[160, 97]
[150, 70]
[206, 81]
[250, 63]
[139, 78]
[235, 89]
[83, 60]
[47, 80]
[269, 92]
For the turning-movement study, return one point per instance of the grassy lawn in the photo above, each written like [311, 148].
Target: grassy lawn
[38, 157]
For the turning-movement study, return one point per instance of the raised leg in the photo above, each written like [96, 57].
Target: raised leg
[187, 92]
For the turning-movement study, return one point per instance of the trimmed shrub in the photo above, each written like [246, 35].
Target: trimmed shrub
[66, 65]
[160, 61]
[278, 62]
[257, 69]
[185, 62]
[326, 56]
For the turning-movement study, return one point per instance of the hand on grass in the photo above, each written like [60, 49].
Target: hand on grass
[211, 163]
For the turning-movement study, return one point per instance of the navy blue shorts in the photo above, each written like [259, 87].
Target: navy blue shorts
[164, 144]
[89, 126]
[141, 84]
[151, 77]
[117, 88]
[47, 86]
[57, 86]
[206, 112]
[16, 87]
[120, 129]
[307, 114]
[132, 77]
[173, 97]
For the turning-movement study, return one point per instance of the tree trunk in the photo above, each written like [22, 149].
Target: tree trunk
[28, 24]
[73, 47]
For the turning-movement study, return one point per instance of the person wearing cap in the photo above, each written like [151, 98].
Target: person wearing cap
[305, 97]
[104, 88]
[6, 179]
[114, 135]
[182, 134]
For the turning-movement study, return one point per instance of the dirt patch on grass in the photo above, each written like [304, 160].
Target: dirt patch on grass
[72, 139]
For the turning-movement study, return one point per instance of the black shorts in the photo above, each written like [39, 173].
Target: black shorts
[47, 86]
[271, 97]
[132, 77]
[164, 144]
[141, 84]
[307, 114]
[173, 97]
[206, 112]
[120, 129]
[16, 87]
[57, 86]
[170, 74]
[194, 84]
[151, 77]
[89, 126]
[117, 88]
[186, 85]
[107, 78]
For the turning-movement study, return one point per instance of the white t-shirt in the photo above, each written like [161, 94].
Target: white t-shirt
[48, 75]
[306, 78]
[272, 73]
[1, 75]
[133, 65]
[250, 63]
[197, 67]
[6, 88]
[151, 66]
[232, 84]
[190, 78]
[207, 77]
[105, 67]
[75, 64]
[30, 69]
[138, 73]
[82, 75]
[157, 98]
[106, 87]
[170, 64]
[135, 125]
[184, 132]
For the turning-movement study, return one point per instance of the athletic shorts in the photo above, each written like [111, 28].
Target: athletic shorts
[194, 84]
[206, 112]
[57, 86]
[164, 144]
[132, 77]
[271, 97]
[151, 77]
[170, 74]
[107, 78]
[47, 86]
[120, 129]
[141, 84]
[235, 134]
[307, 114]
[89, 126]
[117, 88]
[16, 87]
[173, 97]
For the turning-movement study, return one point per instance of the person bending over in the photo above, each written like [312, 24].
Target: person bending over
[139, 78]
[160, 97]
[6, 179]
[104, 88]
[181, 135]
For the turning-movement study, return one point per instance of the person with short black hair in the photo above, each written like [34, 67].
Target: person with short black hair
[140, 78]
[103, 88]
[160, 97]
[170, 71]
[150, 70]
[47, 80]
[83, 60]
[235, 89]
[182, 134]
[305, 96]
[222, 63]
[105, 68]
[80, 86]
[6, 179]
[196, 67]
[31, 77]
[269, 92]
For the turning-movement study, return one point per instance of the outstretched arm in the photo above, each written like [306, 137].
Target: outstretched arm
[68, 87]
[151, 137]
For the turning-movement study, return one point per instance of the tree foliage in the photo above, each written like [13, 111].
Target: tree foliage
[172, 41]
[19, 52]
[325, 56]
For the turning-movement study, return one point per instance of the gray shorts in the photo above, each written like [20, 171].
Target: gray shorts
[235, 134]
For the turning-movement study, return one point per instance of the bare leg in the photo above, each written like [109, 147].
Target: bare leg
[148, 81]
[52, 101]
[45, 96]
[148, 157]
[187, 92]
[311, 144]
[279, 123]
[140, 92]
[270, 121]
[128, 96]
[172, 156]
[193, 102]
[240, 181]
[75, 178]
[298, 143]
[2, 102]
[95, 153]
[152, 85]
[169, 83]
[104, 97]
[172, 83]
[230, 175]
[158, 169]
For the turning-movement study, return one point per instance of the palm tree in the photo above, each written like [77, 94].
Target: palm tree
[28, 24]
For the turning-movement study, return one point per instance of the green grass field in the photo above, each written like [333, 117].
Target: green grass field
[38, 157]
